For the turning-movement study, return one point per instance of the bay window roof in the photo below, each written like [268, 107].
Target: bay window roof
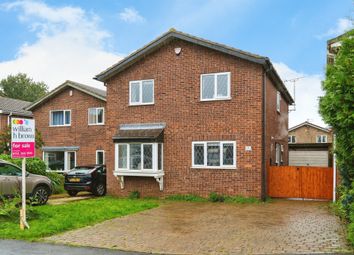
[152, 132]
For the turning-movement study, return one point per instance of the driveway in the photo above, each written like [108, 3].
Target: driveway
[281, 226]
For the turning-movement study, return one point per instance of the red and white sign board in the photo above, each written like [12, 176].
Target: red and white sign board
[22, 138]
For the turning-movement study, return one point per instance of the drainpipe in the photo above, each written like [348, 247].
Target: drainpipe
[8, 119]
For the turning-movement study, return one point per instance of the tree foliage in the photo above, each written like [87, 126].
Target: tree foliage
[22, 87]
[337, 106]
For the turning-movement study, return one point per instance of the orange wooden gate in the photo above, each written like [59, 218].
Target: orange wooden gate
[300, 182]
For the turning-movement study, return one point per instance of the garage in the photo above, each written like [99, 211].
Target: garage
[308, 158]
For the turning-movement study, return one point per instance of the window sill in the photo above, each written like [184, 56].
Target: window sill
[215, 167]
[141, 104]
[100, 124]
[146, 173]
[59, 125]
[216, 99]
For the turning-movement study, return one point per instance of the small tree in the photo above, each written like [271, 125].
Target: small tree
[337, 106]
[22, 87]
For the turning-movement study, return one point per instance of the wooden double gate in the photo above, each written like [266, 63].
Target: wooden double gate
[300, 182]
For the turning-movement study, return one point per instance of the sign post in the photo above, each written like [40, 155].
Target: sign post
[23, 146]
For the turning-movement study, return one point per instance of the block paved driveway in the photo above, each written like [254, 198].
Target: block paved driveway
[280, 226]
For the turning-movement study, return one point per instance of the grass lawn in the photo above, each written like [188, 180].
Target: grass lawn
[53, 219]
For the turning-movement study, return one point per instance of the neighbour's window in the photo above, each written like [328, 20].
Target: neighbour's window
[277, 153]
[96, 116]
[292, 139]
[278, 101]
[321, 139]
[281, 153]
[215, 86]
[60, 160]
[60, 118]
[139, 156]
[141, 92]
[214, 154]
[100, 160]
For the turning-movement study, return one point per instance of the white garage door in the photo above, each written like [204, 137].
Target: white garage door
[308, 158]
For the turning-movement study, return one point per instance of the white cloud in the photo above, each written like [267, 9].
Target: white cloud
[131, 15]
[342, 26]
[307, 93]
[69, 45]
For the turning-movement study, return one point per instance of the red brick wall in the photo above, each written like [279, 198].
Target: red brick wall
[276, 124]
[89, 138]
[177, 103]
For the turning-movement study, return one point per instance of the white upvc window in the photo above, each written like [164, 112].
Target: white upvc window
[60, 118]
[292, 139]
[321, 139]
[100, 157]
[215, 86]
[281, 153]
[278, 101]
[278, 153]
[96, 116]
[139, 157]
[59, 160]
[214, 154]
[141, 92]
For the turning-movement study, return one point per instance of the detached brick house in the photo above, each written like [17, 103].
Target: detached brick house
[195, 116]
[71, 119]
[310, 145]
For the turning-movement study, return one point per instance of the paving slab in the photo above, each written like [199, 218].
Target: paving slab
[278, 227]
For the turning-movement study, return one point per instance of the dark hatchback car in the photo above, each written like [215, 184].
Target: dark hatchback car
[86, 178]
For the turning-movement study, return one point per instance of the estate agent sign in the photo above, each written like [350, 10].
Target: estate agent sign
[22, 138]
[23, 146]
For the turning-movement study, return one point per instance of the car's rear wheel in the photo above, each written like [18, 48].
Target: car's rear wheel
[72, 193]
[99, 190]
[40, 195]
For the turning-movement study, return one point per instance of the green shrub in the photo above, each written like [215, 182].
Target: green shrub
[57, 181]
[134, 195]
[187, 197]
[215, 197]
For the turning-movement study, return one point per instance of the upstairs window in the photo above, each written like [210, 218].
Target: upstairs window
[100, 160]
[321, 139]
[60, 118]
[215, 86]
[278, 101]
[141, 92]
[96, 116]
[214, 154]
[292, 139]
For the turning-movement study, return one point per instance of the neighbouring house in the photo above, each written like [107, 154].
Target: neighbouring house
[333, 46]
[9, 108]
[310, 145]
[187, 115]
[71, 119]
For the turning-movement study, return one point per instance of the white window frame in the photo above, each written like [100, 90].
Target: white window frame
[142, 169]
[205, 146]
[277, 153]
[321, 139]
[103, 156]
[66, 168]
[215, 97]
[141, 92]
[281, 153]
[291, 138]
[278, 101]
[96, 116]
[64, 112]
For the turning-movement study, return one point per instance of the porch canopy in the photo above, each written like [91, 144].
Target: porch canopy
[149, 132]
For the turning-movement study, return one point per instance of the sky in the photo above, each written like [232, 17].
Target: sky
[54, 41]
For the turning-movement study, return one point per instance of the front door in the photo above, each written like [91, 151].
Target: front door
[70, 160]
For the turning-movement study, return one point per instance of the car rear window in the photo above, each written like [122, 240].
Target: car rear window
[81, 170]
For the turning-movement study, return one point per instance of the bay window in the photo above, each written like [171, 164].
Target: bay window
[138, 157]
[218, 154]
[59, 161]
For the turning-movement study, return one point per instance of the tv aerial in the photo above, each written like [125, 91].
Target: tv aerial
[293, 82]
